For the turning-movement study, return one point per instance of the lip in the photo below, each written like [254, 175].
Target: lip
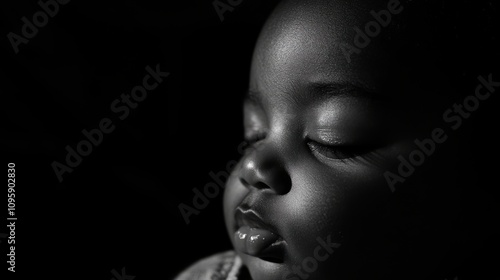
[254, 237]
[246, 216]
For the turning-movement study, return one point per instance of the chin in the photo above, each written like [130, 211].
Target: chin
[264, 270]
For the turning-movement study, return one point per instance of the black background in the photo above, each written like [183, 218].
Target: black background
[119, 207]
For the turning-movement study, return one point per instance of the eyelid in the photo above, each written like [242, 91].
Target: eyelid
[329, 152]
[253, 132]
[340, 152]
[255, 126]
[253, 116]
[329, 138]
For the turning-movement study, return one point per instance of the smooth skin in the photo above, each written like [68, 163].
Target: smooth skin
[322, 132]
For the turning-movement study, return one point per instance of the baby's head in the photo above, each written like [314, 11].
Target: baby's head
[335, 101]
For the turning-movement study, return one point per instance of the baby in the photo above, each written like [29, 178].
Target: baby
[340, 93]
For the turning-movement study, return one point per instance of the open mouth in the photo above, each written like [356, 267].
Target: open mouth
[256, 238]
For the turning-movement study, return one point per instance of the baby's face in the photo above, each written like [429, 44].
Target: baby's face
[308, 193]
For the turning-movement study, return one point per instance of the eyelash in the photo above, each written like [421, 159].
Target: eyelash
[254, 138]
[341, 152]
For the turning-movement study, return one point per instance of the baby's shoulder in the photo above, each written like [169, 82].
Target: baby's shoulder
[222, 266]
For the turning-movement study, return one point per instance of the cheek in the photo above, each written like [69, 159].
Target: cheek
[326, 191]
[324, 200]
[234, 193]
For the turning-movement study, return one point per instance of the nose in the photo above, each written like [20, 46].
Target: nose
[263, 168]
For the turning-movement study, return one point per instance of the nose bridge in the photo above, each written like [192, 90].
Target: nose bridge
[285, 134]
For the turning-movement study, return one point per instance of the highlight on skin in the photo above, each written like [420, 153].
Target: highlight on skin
[308, 199]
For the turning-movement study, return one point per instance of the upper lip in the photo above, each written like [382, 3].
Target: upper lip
[246, 216]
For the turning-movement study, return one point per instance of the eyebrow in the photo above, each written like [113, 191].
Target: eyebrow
[341, 89]
[325, 90]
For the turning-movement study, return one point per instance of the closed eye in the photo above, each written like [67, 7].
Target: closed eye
[337, 151]
[253, 138]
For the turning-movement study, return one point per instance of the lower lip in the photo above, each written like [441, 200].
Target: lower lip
[254, 241]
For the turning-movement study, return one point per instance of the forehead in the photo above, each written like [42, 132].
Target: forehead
[310, 42]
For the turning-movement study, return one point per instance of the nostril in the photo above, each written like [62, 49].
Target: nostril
[261, 185]
[257, 185]
[286, 184]
[244, 182]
